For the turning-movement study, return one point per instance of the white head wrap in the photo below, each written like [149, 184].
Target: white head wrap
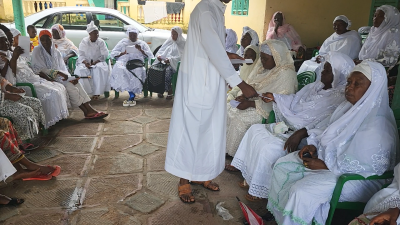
[2, 34]
[172, 50]
[254, 39]
[344, 19]
[15, 32]
[265, 48]
[231, 41]
[364, 69]
[131, 30]
[91, 27]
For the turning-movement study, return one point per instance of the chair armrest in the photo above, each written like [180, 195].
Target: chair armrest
[30, 86]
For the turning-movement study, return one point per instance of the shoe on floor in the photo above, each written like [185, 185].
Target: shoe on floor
[127, 103]
[133, 103]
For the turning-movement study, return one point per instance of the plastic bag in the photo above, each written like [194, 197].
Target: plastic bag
[224, 213]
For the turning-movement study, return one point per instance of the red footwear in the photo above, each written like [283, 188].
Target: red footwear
[99, 115]
[56, 172]
[39, 177]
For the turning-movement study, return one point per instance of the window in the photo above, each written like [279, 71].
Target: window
[107, 22]
[40, 23]
[76, 21]
[56, 19]
[240, 7]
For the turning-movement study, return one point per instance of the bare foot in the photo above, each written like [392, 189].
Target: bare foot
[185, 191]
[230, 168]
[19, 175]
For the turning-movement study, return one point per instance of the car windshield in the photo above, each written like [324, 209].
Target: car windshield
[136, 24]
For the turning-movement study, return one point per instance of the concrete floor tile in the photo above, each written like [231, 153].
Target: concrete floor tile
[144, 149]
[41, 155]
[156, 161]
[71, 165]
[144, 119]
[123, 115]
[159, 113]
[8, 212]
[111, 190]
[105, 216]
[39, 217]
[73, 145]
[159, 139]
[81, 129]
[164, 183]
[117, 164]
[158, 127]
[122, 127]
[144, 202]
[113, 144]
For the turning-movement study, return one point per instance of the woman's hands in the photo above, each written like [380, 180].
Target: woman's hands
[388, 217]
[294, 140]
[12, 96]
[312, 163]
[246, 104]
[64, 76]
[14, 90]
[268, 97]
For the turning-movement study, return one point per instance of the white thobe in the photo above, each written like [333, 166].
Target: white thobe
[100, 73]
[197, 134]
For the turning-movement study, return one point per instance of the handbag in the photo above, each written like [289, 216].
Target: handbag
[156, 78]
[133, 64]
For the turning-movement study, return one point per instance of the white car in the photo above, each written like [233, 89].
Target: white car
[112, 25]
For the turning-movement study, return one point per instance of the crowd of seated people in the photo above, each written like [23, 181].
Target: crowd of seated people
[341, 123]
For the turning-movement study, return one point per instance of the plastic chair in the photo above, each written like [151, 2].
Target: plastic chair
[303, 79]
[359, 206]
[315, 52]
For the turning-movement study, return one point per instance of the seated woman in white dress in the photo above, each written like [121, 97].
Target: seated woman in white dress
[280, 30]
[170, 53]
[52, 95]
[249, 37]
[250, 52]
[49, 64]
[273, 73]
[361, 139]
[62, 43]
[342, 40]
[383, 41]
[93, 53]
[384, 207]
[121, 78]
[263, 145]
[231, 41]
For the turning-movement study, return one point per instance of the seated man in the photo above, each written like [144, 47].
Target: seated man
[91, 62]
[49, 64]
[123, 79]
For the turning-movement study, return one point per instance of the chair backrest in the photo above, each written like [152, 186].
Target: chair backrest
[396, 100]
[238, 45]
[305, 78]
[315, 52]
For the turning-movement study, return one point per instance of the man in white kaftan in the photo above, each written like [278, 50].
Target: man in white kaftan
[91, 62]
[197, 134]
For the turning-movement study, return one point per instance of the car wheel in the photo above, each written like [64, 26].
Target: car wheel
[155, 51]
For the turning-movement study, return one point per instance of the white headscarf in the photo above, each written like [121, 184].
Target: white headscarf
[173, 50]
[383, 42]
[312, 103]
[361, 138]
[131, 30]
[91, 27]
[344, 19]
[231, 41]
[254, 39]
[15, 32]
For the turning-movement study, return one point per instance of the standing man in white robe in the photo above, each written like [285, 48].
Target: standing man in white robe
[197, 134]
[93, 53]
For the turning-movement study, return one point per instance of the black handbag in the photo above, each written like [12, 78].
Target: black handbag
[133, 64]
[156, 78]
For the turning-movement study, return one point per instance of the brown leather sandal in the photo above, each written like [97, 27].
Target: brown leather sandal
[252, 198]
[231, 168]
[206, 184]
[185, 190]
[243, 184]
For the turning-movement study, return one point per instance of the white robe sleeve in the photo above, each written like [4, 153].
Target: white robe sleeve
[103, 50]
[118, 49]
[216, 50]
[82, 52]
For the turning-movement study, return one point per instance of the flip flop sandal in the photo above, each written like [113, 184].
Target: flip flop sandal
[13, 202]
[133, 103]
[169, 97]
[39, 177]
[206, 184]
[243, 184]
[56, 172]
[99, 115]
[231, 168]
[252, 198]
[185, 190]
[29, 147]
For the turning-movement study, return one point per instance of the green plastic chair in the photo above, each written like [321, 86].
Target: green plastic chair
[303, 79]
[315, 52]
[359, 206]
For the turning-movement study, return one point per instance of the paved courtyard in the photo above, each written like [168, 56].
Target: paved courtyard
[113, 173]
